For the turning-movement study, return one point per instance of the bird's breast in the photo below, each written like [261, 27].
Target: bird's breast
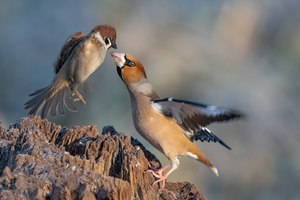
[163, 133]
[93, 57]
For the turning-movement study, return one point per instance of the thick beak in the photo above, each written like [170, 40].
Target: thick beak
[118, 58]
[114, 45]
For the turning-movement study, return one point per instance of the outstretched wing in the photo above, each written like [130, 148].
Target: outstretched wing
[193, 117]
[67, 49]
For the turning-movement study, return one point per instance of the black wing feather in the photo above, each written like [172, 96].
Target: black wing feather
[206, 135]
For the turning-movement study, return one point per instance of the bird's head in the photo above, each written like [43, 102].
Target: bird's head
[107, 34]
[129, 68]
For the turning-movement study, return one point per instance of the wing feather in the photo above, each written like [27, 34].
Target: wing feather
[67, 50]
[193, 117]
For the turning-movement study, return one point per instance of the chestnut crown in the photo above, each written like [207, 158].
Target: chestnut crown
[108, 33]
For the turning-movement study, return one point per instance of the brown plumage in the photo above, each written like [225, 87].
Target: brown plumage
[106, 30]
[170, 125]
[67, 49]
[79, 58]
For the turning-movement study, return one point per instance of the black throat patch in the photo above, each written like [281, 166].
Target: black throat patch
[119, 70]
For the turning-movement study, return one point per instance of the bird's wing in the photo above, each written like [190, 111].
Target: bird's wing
[67, 49]
[192, 117]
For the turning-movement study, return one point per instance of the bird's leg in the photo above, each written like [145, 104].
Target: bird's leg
[162, 178]
[75, 93]
[78, 97]
[158, 172]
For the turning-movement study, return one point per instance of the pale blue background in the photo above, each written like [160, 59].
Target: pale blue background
[240, 54]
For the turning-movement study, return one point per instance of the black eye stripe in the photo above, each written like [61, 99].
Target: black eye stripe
[106, 41]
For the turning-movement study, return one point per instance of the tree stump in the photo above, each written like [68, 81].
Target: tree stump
[40, 160]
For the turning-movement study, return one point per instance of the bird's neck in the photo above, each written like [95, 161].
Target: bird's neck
[142, 90]
[97, 39]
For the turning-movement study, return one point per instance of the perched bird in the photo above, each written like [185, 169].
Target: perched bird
[79, 57]
[170, 125]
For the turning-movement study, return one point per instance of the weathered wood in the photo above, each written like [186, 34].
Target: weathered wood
[40, 160]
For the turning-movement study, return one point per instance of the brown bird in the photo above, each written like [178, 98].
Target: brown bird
[170, 125]
[79, 57]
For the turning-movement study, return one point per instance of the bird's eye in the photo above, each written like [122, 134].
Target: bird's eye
[131, 64]
[107, 41]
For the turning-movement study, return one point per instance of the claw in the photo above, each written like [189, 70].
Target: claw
[162, 180]
[78, 97]
[158, 173]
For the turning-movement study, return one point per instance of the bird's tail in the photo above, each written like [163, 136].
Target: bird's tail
[52, 98]
[195, 153]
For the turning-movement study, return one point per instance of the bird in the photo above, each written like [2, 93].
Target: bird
[171, 125]
[79, 57]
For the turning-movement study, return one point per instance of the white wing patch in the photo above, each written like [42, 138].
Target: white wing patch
[212, 108]
[157, 107]
[205, 129]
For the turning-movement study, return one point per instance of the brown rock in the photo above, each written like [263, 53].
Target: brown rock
[40, 160]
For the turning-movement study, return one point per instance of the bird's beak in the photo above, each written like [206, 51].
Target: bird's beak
[114, 45]
[118, 58]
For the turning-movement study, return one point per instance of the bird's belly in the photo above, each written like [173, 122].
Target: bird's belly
[154, 141]
[161, 133]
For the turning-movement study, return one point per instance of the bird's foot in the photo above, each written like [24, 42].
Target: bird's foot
[78, 97]
[162, 179]
[158, 173]
[155, 173]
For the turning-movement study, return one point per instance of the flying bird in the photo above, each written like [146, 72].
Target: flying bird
[171, 125]
[79, 57]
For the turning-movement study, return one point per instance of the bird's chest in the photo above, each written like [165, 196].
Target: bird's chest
[93, 57]
[163, 133]
[150, 126]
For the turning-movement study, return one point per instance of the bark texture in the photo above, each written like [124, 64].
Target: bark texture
[40, 160]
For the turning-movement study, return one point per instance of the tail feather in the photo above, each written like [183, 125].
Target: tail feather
[40, 95]
[37, 102]
[60, 106]
[195, 153]
[58, 103]
[38, 91]
[51, 99]
[53, 110]
[36, 108]
[215, 170]
[45, 109]
[53, 103]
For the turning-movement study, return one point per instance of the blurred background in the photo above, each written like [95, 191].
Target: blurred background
[238, 54]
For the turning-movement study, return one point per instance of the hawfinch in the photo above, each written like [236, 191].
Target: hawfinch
[79, 57]
[170, 125]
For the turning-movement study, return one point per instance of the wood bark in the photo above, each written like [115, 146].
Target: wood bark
[41, 160]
